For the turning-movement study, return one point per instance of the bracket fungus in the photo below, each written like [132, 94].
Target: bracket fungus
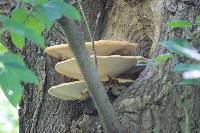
[107, 66]
[69, 91]
[103, 47]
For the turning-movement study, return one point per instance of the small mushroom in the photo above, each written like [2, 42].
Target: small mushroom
[107, 66]
[103, 47]
[68, 91]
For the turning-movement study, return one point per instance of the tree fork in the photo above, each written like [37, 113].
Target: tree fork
[101, 100]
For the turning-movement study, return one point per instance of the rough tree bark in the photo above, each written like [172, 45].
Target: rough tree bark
[153, 103]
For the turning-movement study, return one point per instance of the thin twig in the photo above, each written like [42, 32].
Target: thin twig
[89, 31]
[97, 23]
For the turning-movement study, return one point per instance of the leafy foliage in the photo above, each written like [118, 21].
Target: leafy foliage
[19, 29]
[34, 2]
[27, 23]
[183, 48]
[179, 24]
[54, 9]
[12, 72]
[163, 57]
[190, 72]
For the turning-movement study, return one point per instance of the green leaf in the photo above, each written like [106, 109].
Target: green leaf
[182, 48]
[18, 40]
[163, 57]
[186, 67]
[49, 13]
[179, 24]
[11, 25]
[198, 18]
[171, 45]
[34, 2]
[29, 25]
[12, 90]
[189, 82]
[19, 15]
[21, 24]
[40, 20]
[34, 37]
[23, 30]
[33, 24]
[33, 30]
[54, 9]
[3, 49]
[66, 9]
[14, 62]
[14, 72]
[38, 2]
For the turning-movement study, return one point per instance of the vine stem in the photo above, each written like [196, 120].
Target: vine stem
[89, 31]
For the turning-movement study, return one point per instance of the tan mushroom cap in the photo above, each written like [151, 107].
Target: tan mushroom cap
[107, 66]
[68, 91]
[103, 48]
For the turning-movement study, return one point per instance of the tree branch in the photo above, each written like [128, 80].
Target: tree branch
[105, 109]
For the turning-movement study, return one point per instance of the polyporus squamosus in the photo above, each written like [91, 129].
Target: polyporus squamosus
[108, 66]
[103, 48]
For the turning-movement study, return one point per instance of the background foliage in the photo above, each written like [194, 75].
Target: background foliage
[27, 21]
[190, 73]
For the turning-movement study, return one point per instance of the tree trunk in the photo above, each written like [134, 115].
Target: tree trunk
[153, 103]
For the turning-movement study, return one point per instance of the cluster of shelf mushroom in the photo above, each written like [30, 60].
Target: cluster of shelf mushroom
[109, 65]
